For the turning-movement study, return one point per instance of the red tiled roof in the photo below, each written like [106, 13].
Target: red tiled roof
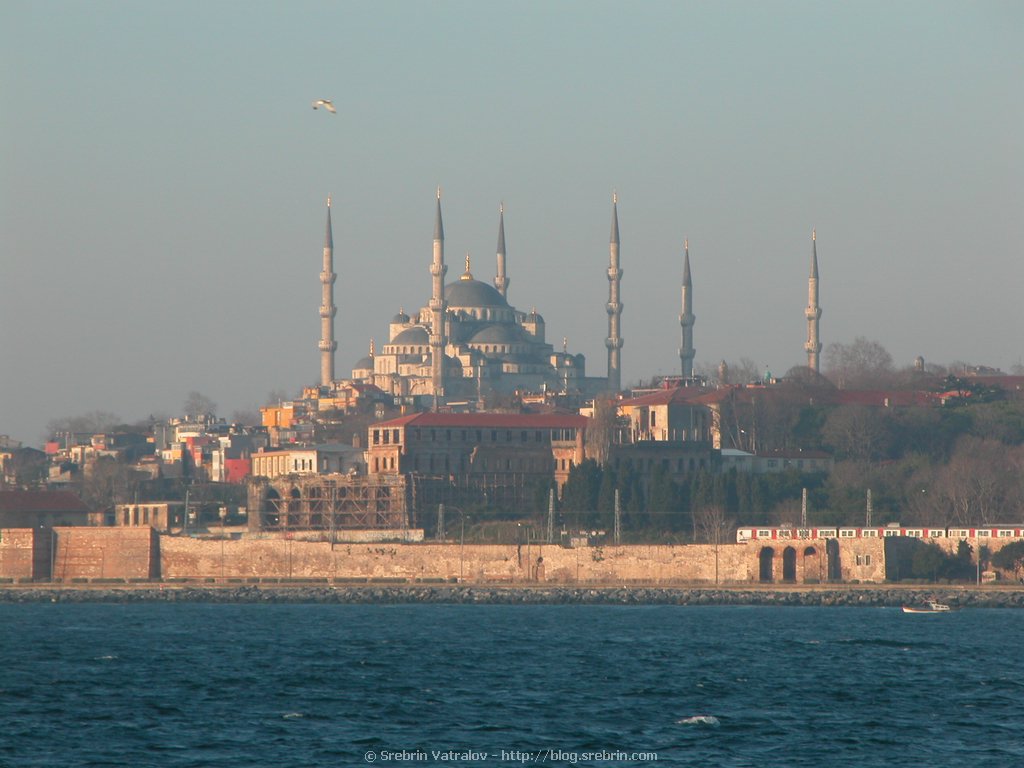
[489, 420]
[41, 501]
[689, 395]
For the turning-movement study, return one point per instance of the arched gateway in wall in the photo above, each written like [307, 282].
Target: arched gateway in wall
[766, 559]
[804, 565]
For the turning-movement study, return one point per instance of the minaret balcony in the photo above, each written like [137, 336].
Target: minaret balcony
[614, 273]
[613, 343]
[614, 307]
[328, 278]
[327, 346]
[329, 311]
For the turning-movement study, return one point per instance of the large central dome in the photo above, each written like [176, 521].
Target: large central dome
[465, 293]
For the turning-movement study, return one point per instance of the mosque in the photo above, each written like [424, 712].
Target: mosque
[468, 341]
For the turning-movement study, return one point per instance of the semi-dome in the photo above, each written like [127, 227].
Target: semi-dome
[411, 336]
[497, 334]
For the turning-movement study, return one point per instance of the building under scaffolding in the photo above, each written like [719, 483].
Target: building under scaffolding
[330, 503]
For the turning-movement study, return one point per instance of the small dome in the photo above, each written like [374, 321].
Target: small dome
[412, 336]
[401, 317]
[363, 364]
[472, 293]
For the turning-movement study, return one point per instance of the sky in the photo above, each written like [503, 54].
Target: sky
[163, 182]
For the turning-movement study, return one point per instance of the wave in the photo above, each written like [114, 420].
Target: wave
[700, 720]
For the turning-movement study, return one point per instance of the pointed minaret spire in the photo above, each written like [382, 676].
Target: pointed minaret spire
[501, 280]
[438, 269]
[813, 311]
[614, 306]
[327, 344]
[687, 318]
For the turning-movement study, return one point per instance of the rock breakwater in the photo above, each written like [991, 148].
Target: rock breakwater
[883, 596]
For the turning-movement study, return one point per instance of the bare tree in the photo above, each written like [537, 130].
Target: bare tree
[862, 364]
[198, 404]
[91, 423]
[601, 429]
[981, 484]
[711, 525]
[857, 432]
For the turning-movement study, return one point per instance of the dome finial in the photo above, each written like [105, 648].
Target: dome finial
[467, 275]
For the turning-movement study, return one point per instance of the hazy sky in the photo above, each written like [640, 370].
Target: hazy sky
[163, 182]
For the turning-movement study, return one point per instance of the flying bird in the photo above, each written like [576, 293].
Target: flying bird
[326, 104]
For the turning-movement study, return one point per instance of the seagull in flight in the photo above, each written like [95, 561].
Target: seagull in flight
[326, 104]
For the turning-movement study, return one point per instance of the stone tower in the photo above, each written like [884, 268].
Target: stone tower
[437, 307]
[501, 280]
[327, 345]
[614, 340]
[687, 318]
[813, 311]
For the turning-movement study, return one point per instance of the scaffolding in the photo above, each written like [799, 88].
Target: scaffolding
[329, 503]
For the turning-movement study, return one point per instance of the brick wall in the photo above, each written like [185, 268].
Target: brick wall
[19, 558]
[105, 553]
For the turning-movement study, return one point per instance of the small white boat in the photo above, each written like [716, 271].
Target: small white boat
[930, 607]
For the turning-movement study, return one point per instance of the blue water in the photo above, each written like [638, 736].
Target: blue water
[317, 685]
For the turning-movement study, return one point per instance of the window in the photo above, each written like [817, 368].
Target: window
[867, 559]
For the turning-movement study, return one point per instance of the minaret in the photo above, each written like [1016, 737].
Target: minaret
[614, 340]
[327, 309]
[687, 318]
[501, 281]
[437, 307]
[813, 311]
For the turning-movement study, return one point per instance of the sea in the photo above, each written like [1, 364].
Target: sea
[285, 685]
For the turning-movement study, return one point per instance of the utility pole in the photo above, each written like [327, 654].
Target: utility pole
[551, 516]
[803, 509]
[618, 519]
[440, 522]
[867, 511]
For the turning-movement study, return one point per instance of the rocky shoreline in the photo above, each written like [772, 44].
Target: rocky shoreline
[882, 596]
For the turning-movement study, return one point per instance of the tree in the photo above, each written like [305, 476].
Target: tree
[857, 432]
[581, 489]
[90, 423]
[601, 429]
[863, 364]
[1010, 558]
[198, 404]
[711, 525]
